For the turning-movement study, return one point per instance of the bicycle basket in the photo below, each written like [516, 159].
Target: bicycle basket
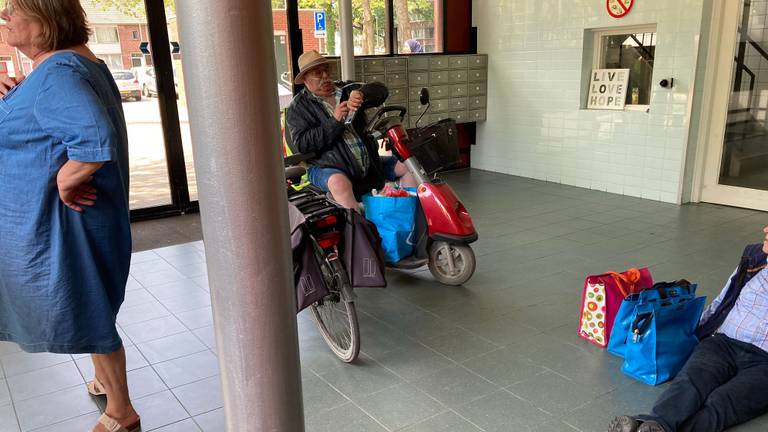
[436, 146]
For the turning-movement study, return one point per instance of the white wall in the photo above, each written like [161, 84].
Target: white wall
[535, 126]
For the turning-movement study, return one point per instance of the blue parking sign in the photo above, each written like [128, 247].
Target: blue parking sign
[319, 21]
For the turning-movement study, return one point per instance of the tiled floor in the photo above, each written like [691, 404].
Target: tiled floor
[499, 354]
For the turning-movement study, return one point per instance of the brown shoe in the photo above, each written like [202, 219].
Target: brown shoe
[112, 425]
[623, 424]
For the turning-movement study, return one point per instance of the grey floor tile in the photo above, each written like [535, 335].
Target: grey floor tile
[413, 362]
[137, 314]
[196, 318]
[346, 418]
[177, 288]
[150, 266]
[502, 412]
[187, 425]
[46, 380]
[161, 277]
[5, 395]
[193, 256]
[22, 362]
[459, 345]
[360, 378]
[631, 399]
[175, 250]
[553, 393]
[319, 395]
[212, 421]
[144, 382]
[201, 396]
[132, 284]
[8, 421]
[207, 336]
[447, 421]
[504, 367]
[454, 386]
[137, 297]
[556, 426]
[171, 347]
[400, 406]
[77, 424]
[187, 302]
[144, 256]
[159, 409]
[54, 408]
[154, 329]
[188, 369]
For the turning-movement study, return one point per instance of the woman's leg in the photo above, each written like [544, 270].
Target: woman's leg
[111, 372]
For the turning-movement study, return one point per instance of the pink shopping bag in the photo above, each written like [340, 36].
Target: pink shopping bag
[602, 298]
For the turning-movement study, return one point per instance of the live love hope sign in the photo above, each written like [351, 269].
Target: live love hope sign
[608, 89]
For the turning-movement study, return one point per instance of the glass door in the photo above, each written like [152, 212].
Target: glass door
[736, 171]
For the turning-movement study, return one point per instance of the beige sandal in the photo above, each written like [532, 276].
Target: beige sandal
[111, 425]
[96, 388]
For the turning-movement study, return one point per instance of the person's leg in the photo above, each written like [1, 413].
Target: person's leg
[741, 399]
[396, 170]
[712, 364]
[341, 189]
[111, 372]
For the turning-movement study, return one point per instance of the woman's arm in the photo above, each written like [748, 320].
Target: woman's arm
[73, 183]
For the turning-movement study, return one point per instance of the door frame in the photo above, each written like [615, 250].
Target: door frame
[718, 83]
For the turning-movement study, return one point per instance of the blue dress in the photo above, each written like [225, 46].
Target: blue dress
[63, 273]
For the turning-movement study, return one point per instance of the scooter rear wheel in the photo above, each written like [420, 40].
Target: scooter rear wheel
[451, 264]
[336, 316]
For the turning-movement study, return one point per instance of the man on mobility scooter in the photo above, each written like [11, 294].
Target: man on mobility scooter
[346, 161]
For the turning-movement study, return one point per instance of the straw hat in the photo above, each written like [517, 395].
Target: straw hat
[308, 61]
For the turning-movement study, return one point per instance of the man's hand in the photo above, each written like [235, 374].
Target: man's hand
[74, 196]
[341, 111]
[355, 100]
[7, 83]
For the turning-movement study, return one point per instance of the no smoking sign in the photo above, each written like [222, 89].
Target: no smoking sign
[619, 8]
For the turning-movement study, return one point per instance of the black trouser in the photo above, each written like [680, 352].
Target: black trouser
[724, 383]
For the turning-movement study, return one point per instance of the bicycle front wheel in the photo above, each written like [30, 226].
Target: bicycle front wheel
[335, 315]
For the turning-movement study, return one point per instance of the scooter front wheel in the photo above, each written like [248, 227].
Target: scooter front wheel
[451, 264]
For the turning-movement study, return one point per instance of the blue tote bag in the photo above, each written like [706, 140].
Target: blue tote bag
[662, 291]
[663, 336]
[395, 218]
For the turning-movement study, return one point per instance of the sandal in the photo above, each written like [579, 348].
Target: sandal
[111, 425]
[96, 388]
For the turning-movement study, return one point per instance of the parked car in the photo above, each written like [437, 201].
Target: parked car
[128, 84]
[148, 82]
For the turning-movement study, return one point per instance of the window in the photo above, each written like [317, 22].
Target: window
[105, 35]
[419, 26]
[113, 61]
[135, 35]
[136, 59]
[629, 48]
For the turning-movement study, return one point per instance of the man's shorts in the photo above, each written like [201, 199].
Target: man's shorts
[319, 176]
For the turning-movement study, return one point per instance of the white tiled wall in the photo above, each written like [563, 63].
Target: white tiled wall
[535, 126]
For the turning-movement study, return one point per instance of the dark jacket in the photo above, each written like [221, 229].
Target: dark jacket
[312, 130]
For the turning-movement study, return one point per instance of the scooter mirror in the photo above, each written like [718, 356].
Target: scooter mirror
[424, 96]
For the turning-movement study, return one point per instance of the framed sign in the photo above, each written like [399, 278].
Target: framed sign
[608, 89]
[619, 8]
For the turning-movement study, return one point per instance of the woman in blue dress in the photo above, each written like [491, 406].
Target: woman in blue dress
[65, 241]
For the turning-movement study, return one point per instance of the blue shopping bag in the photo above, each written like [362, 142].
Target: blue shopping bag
[663, 336]
[662, 291]
[395, 218]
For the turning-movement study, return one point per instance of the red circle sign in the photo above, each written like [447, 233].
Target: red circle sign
[619, 8]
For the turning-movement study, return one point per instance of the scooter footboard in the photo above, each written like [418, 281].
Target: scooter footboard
[445, 213]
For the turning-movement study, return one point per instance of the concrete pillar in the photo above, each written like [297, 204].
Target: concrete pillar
[347, 41]
[229, 72]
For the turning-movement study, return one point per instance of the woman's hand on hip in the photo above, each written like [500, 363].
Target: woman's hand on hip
[73, 182]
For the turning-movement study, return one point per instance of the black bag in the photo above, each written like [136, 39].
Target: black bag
[307, 275]
[363, 255]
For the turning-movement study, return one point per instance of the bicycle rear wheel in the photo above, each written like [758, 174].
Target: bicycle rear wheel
[335, 315]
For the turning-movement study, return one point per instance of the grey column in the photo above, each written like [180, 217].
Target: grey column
[347, 41]
[229, 72]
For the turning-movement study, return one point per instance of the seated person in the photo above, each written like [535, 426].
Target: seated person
[724, 381]
[343, 153]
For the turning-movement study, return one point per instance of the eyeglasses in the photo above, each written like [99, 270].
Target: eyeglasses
[9, 8]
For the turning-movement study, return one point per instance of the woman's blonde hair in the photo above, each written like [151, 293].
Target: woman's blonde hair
[64, 22]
